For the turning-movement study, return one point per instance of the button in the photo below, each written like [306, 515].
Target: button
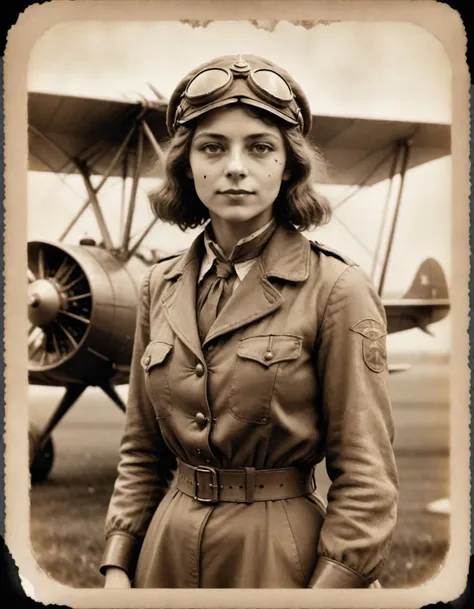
[147, 360]
[201, 419]
[199, 370]
[267, 356]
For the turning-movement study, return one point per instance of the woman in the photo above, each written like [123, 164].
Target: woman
[257, 354]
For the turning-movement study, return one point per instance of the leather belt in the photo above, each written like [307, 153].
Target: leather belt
[212, 485]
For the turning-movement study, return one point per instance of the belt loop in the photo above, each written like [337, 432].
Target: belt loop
[249, 484]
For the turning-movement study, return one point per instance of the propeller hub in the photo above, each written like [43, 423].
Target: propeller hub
[44, 302]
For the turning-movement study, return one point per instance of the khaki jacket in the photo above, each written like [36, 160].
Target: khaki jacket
[322, 394]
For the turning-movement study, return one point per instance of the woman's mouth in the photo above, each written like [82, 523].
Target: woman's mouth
[236, 192]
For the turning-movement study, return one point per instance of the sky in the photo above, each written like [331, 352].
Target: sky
[391, 70]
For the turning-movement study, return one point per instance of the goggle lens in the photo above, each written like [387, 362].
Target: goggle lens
[273, 85]
[207, 84]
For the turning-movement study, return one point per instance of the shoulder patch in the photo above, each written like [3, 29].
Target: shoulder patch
[331, 252]
[374, 350]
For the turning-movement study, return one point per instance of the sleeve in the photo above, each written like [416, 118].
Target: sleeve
[146, 465]
[359, 432]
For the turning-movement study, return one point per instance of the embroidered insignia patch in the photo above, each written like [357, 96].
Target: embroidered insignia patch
[373, 344]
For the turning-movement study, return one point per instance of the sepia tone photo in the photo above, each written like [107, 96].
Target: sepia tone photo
[246, 307]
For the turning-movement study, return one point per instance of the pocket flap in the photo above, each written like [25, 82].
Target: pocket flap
[268, 350]
[155, 354]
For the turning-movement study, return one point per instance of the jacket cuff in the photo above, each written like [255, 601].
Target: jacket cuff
[332, 574]
[121, 550]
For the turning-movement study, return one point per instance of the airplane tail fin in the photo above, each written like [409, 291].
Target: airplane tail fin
[429, 282]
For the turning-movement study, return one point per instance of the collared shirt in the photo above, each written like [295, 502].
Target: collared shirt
[241, 268]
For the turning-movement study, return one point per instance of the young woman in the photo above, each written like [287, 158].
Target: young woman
[257, 354]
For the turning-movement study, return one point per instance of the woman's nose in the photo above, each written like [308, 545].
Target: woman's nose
[236, 167]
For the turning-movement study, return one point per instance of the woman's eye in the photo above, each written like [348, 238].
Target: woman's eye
[211, 148]
[262, 148]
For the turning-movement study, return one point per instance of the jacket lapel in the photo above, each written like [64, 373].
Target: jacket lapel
[286, 257]
[179, 302]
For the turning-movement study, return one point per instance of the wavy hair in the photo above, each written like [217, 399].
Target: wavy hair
[175, 201]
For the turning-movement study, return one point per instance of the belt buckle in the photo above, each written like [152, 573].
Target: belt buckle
[214, 485]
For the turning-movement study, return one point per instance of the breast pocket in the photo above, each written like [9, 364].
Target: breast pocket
[155, 363]
[259, 360]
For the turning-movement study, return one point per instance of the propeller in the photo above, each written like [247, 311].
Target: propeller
[59, 306]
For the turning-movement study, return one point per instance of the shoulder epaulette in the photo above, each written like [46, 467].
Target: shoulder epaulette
[331, 252]
[170, 256]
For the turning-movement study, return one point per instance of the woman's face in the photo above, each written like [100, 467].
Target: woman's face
[237, 163]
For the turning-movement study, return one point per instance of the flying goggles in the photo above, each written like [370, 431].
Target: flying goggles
[216, 87]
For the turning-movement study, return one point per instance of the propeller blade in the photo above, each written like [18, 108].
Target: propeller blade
[41, 267]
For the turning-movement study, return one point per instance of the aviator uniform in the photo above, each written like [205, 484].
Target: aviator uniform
[292, 371]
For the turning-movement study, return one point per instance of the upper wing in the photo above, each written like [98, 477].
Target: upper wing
[91, 130]
[349, 142]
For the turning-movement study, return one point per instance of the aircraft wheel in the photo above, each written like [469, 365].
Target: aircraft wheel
[42, 462]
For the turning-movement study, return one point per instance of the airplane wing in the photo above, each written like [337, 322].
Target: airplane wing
[91, 130]
[350, 142]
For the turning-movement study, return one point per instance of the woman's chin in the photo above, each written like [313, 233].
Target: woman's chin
[239, 214]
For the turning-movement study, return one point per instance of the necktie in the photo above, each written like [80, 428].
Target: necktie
[218, 285]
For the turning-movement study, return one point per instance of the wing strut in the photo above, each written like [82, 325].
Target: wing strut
[86, 169]
[125, 162]
[133, 194]
[393, 169]
[134, 248]
[96, 206]
[403, 152]
[105, 176]
[161, 157]
[153, 142]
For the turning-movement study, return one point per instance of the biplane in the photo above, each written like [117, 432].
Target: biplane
[82, 297]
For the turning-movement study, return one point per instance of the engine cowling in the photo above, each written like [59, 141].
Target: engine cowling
[82, 303]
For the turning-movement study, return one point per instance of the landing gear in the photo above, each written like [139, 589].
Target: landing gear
[41, 460]
[40, 442]
[41, 445]
[111, 392]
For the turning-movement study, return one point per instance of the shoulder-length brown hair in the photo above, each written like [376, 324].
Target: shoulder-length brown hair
[298, 203]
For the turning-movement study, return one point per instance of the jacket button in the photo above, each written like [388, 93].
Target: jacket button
[199, 370]
[267, 356]
[201, 419]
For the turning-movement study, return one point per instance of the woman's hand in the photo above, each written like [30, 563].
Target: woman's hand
[116, 578]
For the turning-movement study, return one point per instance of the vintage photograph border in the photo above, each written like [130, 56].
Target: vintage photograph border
[442, 22]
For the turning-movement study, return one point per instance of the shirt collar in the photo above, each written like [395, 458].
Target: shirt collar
[241, 268]
[287, 256]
